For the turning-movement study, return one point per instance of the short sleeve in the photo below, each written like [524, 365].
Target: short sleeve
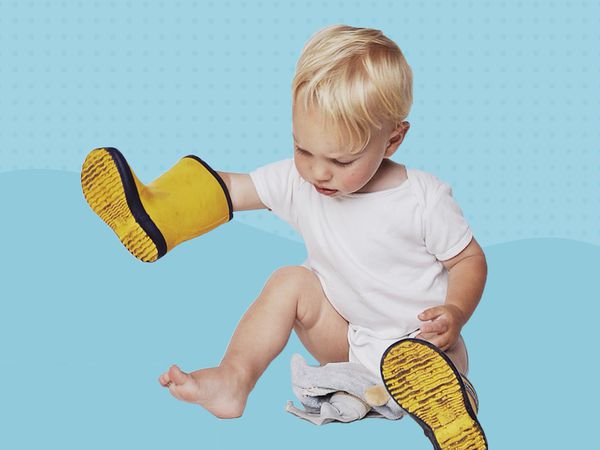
[276, 184]
[446, 230]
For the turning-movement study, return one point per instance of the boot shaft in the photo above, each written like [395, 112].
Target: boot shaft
[186, 201]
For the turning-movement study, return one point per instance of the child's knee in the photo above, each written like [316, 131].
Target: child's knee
[299, 285]
[292, 279]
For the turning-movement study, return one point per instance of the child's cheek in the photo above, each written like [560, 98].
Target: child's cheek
[353, 181]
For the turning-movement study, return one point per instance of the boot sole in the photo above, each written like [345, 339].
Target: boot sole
[110, 190]
[427, 385]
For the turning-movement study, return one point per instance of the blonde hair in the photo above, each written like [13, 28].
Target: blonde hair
[357, 78]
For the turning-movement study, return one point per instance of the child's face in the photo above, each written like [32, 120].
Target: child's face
[331, 170]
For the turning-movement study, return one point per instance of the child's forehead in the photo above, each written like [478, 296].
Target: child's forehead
[318, 145]
[317, 139]
[311, 129]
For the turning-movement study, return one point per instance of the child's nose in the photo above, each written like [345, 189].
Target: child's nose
[321, 173]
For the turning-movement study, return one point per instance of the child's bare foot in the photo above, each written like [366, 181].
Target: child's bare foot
[220, 390]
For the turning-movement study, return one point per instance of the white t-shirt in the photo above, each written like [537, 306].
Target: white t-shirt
[376, 254]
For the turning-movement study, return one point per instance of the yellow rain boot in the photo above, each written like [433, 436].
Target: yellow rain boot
[186, 201]
[427, 385]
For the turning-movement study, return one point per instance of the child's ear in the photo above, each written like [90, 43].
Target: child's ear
[396, 138]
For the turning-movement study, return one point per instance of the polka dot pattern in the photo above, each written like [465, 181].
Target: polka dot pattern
[507, 95]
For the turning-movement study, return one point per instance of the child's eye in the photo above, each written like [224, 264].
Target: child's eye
[300, 151]
[340, 163]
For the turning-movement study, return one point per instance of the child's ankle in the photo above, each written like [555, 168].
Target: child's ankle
[243, 375]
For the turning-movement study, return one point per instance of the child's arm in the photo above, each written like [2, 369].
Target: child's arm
[242, 191]
[467, 273]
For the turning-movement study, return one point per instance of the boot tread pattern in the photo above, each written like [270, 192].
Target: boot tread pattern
[426, 386]
[103, 190]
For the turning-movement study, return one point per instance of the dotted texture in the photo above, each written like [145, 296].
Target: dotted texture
[507, 95]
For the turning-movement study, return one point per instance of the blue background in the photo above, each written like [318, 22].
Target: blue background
[507, 106]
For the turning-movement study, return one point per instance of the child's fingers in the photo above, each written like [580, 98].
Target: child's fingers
[436, 326]
[431, 313]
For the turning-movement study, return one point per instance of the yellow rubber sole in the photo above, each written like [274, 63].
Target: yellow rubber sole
[425, 383]
[104, 188]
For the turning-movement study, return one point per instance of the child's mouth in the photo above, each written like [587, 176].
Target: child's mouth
[325, 191]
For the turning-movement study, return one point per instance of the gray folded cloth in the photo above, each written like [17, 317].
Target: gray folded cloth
[336, 392]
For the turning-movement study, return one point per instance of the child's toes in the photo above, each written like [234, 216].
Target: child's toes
[164, 379]
[177, 376]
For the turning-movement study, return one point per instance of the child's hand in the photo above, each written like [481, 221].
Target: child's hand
[443, 325]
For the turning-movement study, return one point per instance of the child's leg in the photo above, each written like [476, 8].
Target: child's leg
[291, 299]
[457, 353]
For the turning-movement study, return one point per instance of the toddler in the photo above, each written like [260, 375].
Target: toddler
[390, 254]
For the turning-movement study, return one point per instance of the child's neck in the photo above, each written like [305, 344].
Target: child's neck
[389, 175]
